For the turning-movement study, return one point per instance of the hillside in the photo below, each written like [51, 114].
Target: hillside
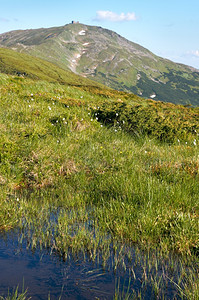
[89, 172]
[108, 58]
[23, 65]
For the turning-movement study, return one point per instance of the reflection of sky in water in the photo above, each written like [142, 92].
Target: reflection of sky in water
[75, 278]
[43, 274]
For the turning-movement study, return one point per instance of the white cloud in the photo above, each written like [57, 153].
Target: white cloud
[195, 53]
[106, 15]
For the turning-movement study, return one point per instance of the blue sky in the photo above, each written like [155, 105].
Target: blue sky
[169, 28]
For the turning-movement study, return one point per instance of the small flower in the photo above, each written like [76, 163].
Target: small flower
[49, 108]
[101, 125]
[116, 114]
[31, 95]
[63, 119]
[96, 118]
[178, 141]
[91, 120]
[29, 105]
[194, 142]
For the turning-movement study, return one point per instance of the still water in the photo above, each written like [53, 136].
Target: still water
[47, 276]
[44, 274]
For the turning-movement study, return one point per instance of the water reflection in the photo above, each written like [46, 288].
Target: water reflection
[46, 274]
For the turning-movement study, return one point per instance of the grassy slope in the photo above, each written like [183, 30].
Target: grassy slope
[109, 59]
[126, 182]
[25, 65]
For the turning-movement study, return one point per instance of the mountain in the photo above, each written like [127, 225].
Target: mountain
[106, 57]
[24, 65]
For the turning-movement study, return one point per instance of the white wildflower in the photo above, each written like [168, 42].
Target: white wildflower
[49, 108]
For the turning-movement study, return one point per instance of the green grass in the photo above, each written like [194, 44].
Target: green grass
[16, 295]
[106, 186]
[24, 65]
[109, 59]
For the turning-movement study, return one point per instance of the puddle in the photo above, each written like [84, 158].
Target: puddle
[46, 274]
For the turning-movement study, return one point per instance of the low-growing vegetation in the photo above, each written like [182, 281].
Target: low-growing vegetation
[92, 170]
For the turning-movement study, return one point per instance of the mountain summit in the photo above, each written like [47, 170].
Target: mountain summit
[108, 58]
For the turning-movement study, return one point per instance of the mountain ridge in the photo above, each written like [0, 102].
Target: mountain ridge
[106, 57]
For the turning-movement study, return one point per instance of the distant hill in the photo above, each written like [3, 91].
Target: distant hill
[108, 58]
[24, 65]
